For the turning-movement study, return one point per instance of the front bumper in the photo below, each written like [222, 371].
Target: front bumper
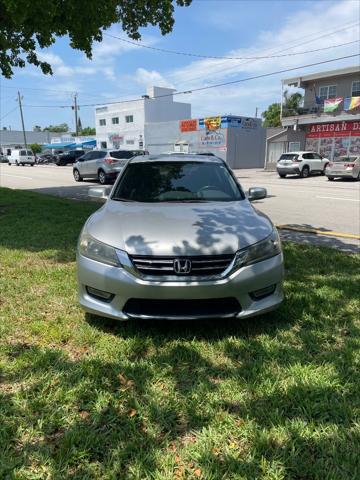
[126, 286]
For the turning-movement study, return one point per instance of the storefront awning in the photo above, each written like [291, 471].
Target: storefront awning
[56, 146]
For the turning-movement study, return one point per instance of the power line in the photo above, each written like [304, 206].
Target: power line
[310, 37]
[8, 113]
[251, 59]
[214, 57]
[207, 87]
[227, 83]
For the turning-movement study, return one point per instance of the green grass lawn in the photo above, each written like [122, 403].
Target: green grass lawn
[275, 397]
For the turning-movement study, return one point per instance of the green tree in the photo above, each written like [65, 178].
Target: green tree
[87, 131]
[272, 116]
[27, 26]
[291, 103]
[36, 128]
[291, 106]
[35, 147]
[62, 127]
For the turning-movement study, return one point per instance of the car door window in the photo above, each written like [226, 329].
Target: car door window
[308, 156]
[87, 156]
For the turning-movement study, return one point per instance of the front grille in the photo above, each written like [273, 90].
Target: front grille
[177, 309]
[204, 265]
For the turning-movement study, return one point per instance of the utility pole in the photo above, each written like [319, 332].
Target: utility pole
[22, 119]
[256, 112]
[76, 114]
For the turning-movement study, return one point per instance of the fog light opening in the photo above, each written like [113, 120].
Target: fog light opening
[262, 292]
[100, 294]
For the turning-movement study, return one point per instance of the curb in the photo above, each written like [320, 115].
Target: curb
[318, 232]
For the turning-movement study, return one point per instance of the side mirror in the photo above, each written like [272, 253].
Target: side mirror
[80, 159]
[98, 194]
[256, 193]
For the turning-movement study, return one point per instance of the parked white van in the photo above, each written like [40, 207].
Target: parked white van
[21, 157]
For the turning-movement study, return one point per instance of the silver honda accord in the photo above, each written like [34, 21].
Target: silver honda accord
[177, 238]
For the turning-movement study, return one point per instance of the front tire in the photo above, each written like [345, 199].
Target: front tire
[102, 177]
[305, 172]
[282, 175]
[331, 179]
[77, 176]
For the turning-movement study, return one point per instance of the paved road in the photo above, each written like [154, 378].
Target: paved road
[48, 179]
[312, 202]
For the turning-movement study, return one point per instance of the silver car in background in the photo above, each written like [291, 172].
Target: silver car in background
[178, 239]
[102, 165]
[344, 167]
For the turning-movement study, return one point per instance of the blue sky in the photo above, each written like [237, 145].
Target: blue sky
[208, 27]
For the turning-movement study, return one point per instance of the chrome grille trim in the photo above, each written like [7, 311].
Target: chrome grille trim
[205, 266]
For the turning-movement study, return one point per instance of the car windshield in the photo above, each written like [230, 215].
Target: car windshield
[177, 182]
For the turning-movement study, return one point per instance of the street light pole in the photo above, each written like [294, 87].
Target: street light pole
[76, 114]
[22, 119]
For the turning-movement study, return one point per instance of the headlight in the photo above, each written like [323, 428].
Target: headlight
[91, 248]
[258, 252]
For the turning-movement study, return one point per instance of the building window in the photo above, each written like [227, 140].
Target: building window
[294, 146]
[102, 122]
[115, 120]
[103, 145]
[130, 142]
[327, 92]
[355, 89]
[129, 118]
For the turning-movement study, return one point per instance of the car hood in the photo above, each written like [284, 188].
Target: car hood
[179, 229]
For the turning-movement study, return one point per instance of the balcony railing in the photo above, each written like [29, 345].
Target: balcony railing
[314, 108]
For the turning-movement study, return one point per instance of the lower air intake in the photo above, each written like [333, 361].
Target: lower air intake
[182, 309]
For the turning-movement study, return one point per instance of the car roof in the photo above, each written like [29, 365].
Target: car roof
[115, 150]
[181, 157]
[298, 152]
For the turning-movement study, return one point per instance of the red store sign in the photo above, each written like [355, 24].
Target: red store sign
[188, 125]
[336, 129]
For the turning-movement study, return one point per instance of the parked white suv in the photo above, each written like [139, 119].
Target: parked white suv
[301, 163]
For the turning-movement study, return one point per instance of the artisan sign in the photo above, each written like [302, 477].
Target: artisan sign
[336, 129]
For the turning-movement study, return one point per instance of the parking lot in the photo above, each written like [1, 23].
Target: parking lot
[311, 203]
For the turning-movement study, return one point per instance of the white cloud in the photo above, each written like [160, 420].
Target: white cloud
[151, 77]
[110, 47]
[109, 73]
[243, 98]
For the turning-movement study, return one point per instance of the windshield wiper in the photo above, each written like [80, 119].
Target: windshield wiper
[183, 200]
[121, 199]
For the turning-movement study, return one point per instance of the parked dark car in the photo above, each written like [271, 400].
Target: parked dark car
[45, 158]
[69, 157]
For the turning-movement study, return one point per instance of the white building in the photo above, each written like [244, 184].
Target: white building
[123, 125]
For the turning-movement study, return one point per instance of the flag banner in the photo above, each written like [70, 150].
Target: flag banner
[355, 103]
[332, 104]
[347, 102]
